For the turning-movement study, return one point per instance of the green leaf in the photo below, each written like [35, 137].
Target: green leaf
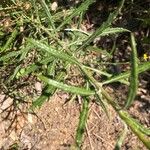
[141, 68]
[99, 92]
[113, 31]
[146, 21]
[25, 51]
[121, 138]
[105, 32]
[57, 17]
[98, 71]
[65, 87]
[46, 9]
[15, 73]
[134, 74]
[9, 55]
[55, 53]
[83, 7]
[102, 28]
[1, 34]
[25, 71]
[47, 92]
[82, 122]
[101, 100]
[135, 127]
[51, 69]
[40, 100]
[10, 40]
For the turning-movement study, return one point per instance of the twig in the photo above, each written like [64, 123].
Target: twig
[104, 140]
[90, 141]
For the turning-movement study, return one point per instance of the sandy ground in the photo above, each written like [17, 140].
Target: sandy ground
[54, 127]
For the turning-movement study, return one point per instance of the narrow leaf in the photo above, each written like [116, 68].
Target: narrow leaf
[98, 71]
[51, 68]
[10, 55]
[98, 90]
[109, 31]
[25, 71]
[25, 51]
[46, 92]
[46, 9]
[9, 41]
[102, 28]
[121, 138]
[141, 68]
[135, 127]
[55, 53]
[65, 87]
[134, 74]
[83, 7]
[47, 60]
[82, 122]
[14, 73]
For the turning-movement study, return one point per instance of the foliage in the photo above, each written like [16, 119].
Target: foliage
[53, 41]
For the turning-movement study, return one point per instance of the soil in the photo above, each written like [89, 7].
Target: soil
[54, 125]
